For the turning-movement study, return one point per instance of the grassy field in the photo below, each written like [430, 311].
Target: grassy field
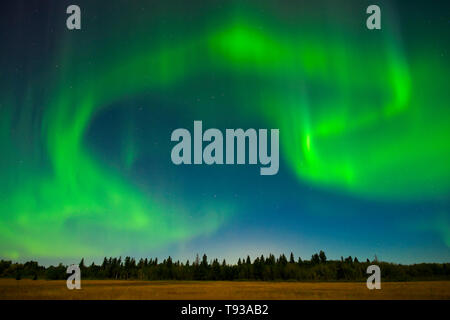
[107, 289]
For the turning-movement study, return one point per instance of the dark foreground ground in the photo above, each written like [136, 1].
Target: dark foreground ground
[196, 290]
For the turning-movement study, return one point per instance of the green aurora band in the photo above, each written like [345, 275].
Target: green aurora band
[356, 115]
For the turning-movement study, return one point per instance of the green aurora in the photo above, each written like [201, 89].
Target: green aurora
[361, 113]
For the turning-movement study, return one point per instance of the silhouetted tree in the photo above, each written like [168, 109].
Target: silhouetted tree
[315, 259]
[291, 258]
[322, 257]
[318, 268]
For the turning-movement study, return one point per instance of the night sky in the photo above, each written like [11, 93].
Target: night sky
[87, 115]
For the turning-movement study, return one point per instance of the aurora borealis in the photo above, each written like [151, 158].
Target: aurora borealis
[85, 167]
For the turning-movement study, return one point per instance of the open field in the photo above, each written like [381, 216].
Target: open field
[109, 289]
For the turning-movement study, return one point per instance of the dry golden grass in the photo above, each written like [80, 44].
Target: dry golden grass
[168, 290]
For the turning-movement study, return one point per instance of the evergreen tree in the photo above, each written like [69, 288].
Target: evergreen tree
[322, 257]
[319, 268]
[315, 259]
[291, 258]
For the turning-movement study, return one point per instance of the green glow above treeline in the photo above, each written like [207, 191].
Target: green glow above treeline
[357, 115]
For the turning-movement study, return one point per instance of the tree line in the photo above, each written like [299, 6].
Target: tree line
[269, 268]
